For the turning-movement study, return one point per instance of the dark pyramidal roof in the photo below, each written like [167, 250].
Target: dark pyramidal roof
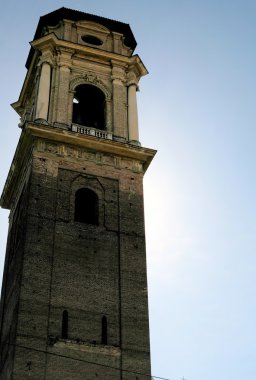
[52, 19]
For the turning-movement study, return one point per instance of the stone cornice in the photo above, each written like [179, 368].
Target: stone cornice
[144, 155]
[32, 132]
[51, 39]
[17, 171]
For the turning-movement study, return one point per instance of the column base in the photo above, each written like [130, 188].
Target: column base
[134, 142]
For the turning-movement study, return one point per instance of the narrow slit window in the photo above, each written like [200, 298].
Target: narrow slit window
[64, 331]
[104, 330]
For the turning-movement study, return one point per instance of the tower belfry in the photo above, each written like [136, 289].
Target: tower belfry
[74, 294]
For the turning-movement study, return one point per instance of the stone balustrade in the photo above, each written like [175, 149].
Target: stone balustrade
[92, 132]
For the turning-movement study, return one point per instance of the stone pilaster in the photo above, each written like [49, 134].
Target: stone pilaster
[64, 64]
[119, 102]
[109, 123]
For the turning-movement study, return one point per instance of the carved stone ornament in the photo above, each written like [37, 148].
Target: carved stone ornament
[84, 154]
[89, 78]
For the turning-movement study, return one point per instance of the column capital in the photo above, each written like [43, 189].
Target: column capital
[48, 59]
[64, 65]
[118, 79]
[133, 83]
[132, 79]
[64, 57]
[118, 72]
[47, 56]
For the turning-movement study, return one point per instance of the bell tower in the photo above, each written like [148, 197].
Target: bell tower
[74, 294]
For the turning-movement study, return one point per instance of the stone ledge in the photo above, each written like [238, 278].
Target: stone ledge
[83, 346]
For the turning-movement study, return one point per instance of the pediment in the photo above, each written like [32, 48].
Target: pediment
[92, 26]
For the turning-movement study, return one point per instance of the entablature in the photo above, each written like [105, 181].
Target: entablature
[51, 41]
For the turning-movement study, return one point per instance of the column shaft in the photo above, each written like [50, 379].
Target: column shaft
[133, 113]
[43, 96]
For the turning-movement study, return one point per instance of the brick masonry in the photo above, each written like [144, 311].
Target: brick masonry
[89, 270]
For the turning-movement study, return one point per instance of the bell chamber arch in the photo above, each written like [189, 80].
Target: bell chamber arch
[89, 106]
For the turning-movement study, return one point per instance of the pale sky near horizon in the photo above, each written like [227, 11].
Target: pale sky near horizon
[197, 108]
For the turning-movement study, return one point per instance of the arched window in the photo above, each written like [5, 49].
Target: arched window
[86, 206]
[64, 330]
[104, 330]
[89, 106]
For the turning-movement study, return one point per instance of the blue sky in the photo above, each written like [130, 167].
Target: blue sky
[197, 108]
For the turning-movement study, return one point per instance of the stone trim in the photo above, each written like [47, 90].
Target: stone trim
[89, 78]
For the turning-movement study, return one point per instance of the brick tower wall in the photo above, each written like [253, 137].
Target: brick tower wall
[88, 270]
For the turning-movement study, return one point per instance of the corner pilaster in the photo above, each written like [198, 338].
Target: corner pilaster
[64, 67]
[119, 101]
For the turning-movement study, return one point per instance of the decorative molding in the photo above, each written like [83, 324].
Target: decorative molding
[92, 26]
[67, 151]
[91, 132]
[132, 79]
[89, 143]
[89, 78]
[118, 72]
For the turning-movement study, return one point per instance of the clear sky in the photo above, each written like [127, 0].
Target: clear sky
[197, 107]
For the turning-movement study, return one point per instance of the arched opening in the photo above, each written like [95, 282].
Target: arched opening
[86, 206]
[104, 330]
[89, 106]
[64, 329]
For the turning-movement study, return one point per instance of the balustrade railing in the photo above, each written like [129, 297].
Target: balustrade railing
[83, 130]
